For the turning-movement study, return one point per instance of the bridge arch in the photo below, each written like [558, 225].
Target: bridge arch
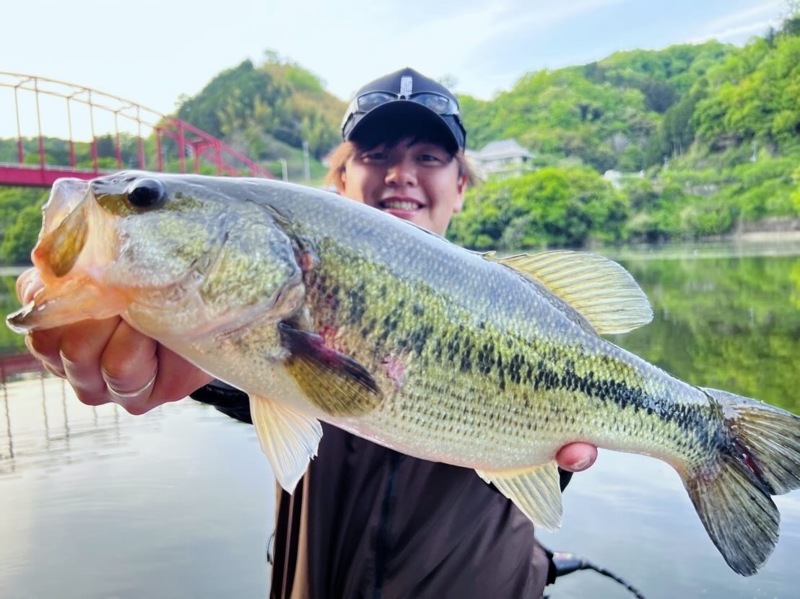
[51, 129]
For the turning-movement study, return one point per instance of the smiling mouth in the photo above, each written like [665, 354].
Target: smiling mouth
[405, 205]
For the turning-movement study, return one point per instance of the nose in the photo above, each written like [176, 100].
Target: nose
[401, 172]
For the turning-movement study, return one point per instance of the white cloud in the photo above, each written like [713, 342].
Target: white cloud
[742, 24]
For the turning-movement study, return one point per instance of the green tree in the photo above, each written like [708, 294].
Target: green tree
[21, 236]
[554, 206]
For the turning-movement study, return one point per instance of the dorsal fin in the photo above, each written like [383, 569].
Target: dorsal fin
[603, 292]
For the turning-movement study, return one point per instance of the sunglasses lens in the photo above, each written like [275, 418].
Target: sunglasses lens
[435, 102]
[372, 100]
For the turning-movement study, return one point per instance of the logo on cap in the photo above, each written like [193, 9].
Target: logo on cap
[406, 85]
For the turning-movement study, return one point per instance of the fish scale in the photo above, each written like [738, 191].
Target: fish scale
[322, 309]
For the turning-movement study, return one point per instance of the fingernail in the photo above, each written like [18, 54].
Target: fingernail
[581, 464]
[29, 289]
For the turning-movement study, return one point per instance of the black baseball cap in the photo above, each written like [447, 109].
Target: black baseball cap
[386, 105]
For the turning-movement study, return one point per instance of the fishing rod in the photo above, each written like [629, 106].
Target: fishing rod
[567, 563]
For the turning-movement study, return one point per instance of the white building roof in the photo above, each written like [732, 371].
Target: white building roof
[502, 150]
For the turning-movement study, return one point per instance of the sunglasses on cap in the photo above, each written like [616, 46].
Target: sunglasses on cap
[365, 103]
[438, 103]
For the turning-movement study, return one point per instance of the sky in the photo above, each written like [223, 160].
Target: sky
[153, 52]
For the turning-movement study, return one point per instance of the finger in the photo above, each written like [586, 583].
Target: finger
[28, 283]
[129, 367]
[576, 457]
[44, 346]
[175, 379]
[81, 346]
[142, 374]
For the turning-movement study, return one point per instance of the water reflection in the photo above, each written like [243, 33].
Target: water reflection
[53, 431]
[96, 503]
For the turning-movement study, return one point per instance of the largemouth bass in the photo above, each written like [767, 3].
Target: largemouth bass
[323, 309]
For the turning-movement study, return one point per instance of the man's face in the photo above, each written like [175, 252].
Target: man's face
[414, 180]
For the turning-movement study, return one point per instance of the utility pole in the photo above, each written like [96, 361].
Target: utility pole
[284, 168]
[306, 165]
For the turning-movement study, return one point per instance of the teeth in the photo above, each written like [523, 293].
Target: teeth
[400, 205]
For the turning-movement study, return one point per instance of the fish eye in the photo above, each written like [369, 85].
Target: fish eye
[146, 193]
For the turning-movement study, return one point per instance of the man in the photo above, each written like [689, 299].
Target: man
[365, 521]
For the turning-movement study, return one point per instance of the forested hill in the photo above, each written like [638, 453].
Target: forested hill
[267, 109]
[607, 114]
[632, 109]
[705, 137]
[625, 112]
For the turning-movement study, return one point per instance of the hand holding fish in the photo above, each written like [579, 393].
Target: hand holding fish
[109, 361]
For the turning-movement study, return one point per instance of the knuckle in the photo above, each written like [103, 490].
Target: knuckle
[122, 373]
[74, 350]
[41, 345]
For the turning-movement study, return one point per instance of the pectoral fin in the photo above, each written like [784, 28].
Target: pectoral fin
[333, 381]
[536, 492]
[289, 439]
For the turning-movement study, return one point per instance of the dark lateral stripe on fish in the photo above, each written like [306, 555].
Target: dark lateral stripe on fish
[403, 330]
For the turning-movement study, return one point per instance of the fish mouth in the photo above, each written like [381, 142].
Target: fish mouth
[69, 261]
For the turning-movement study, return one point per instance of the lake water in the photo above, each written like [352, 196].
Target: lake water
[95, 503]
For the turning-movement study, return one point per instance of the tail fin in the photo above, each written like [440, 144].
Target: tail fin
[760, 457]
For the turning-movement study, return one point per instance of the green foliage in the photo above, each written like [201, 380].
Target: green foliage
[554, 206]
[657, 216]
[678, 66]
[606, 114]
[20, 219]
[795, 193]
[753, 96]
[250, 105]
[676, 131]
[562, 113]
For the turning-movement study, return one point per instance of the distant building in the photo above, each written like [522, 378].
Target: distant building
[613, 177]
[503, 158]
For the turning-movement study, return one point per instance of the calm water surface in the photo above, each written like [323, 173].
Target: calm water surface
[95, 503]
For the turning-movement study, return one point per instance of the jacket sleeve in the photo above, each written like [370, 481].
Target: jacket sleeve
[228, 400]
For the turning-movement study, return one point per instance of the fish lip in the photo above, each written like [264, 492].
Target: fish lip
[66, 195]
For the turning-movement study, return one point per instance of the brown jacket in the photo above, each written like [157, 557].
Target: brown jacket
[369, 522]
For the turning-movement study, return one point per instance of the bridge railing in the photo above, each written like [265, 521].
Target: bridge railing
[51, 129]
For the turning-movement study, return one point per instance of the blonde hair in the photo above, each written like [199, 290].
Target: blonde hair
[347, 149]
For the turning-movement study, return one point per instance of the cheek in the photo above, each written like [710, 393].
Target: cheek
[447, 192]
[356, 183]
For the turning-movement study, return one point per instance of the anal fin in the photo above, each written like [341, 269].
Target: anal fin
[536, 491]
[289, 439]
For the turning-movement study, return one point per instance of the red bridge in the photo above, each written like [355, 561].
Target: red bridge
[51, 129]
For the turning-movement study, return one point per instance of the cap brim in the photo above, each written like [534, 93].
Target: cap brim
[390, 120]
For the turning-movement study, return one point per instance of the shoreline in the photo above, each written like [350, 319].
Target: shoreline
[761, 236]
